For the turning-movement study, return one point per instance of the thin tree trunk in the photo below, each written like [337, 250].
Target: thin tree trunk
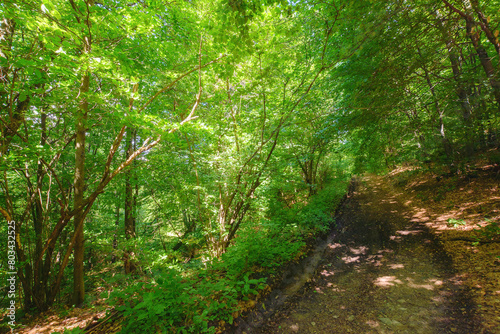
[195, 167]
[456, 68]
[130, 198]
[440, 113]
[40, 283]
[485, 26]
[485, 60]
[115, 235]
[130, 232]
[79, 186]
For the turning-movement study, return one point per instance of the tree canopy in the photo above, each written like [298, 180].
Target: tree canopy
[152, 133]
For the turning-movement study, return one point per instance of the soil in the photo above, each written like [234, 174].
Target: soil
[385, 272]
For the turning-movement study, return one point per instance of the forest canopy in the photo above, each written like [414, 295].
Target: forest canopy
[152, 138]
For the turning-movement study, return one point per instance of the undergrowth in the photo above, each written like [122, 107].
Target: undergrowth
[184, 299]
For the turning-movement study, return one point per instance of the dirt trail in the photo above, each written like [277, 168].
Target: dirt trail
[383, 274]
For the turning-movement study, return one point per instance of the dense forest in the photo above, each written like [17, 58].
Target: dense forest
[169, 156]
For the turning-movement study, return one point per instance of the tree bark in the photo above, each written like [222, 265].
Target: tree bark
[455, 67]
[446, 143]
[485, 60]
[79, 185]
[485, 26]
[130, 207]
[115, 235]
[40, 283]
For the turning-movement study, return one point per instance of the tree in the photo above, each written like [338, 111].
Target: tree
[74, 32]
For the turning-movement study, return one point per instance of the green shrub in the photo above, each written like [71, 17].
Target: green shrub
[194, 298]
[176, 304]
[489, 232]
[456, 222]
[267, 245]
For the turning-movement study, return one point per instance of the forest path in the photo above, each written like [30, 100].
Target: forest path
[384, 274]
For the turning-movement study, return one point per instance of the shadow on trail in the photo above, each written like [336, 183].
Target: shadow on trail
[383, 274]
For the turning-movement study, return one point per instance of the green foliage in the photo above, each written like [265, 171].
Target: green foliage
[290, 100]
[191, 299]
[177, 304]
[318, 214]
[265, 245]
[456, 222]
[313, 214]
[490, 231]
[494, 157]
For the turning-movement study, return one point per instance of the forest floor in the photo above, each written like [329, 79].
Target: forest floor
[399, 266]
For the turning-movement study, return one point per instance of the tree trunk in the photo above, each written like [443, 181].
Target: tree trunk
[40, 283]
[456, 68]
[485, 60]
[79, 187]
[485, 26]
[446, 143]
[130, 207]
[10, 125]
[115, 235]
